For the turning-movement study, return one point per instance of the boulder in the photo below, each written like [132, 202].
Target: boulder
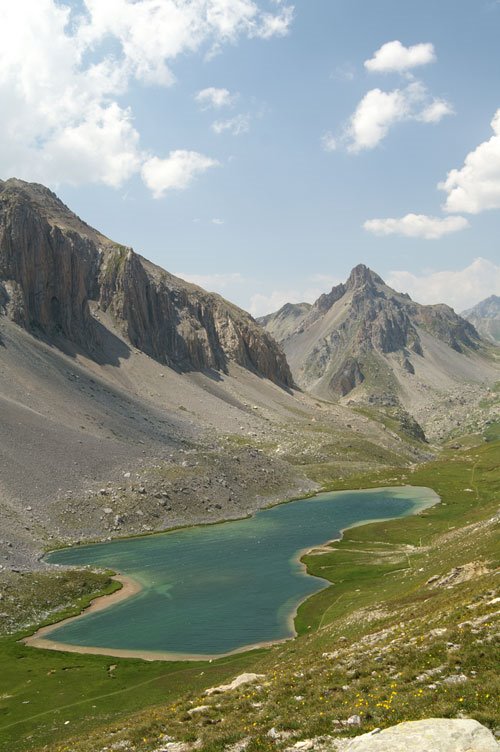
[238, 682]
[430, 735]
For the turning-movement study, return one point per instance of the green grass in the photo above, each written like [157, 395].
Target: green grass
[368, 554]
[47, 695]
[492, 433]
[376, 620]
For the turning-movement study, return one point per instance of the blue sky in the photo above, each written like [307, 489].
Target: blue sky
[260, 188]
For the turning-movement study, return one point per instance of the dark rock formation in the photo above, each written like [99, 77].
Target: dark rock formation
[53, 265]
[46, 269]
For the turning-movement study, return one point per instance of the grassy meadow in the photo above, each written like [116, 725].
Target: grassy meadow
[408, 629]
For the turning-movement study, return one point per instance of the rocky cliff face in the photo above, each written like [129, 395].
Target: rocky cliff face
[53, 265]
[364, 333]
[485, 317]
[46, 267]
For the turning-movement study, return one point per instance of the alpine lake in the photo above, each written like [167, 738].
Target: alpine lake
[212, 590]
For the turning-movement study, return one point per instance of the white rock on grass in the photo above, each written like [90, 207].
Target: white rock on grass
[238, 682]
[432, 735]
[199, 709]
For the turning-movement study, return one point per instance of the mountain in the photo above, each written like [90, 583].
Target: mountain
[370, 343]
[57, 274]
[284, 322]
[132, 401]
[485, 316]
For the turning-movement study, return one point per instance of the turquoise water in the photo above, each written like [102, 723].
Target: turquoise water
[213, 589]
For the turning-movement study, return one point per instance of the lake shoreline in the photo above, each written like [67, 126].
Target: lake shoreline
[131, 587]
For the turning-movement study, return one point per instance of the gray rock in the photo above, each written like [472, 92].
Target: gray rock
[430, 735]
[57, 264]
[235, 684]
[354, 720]
[455, 679]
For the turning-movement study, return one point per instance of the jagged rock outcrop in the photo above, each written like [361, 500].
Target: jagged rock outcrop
[53, 266]
[46, 267]
[485, 316]
[365, 338]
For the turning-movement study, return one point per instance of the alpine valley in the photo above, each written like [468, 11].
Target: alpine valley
[134, 402]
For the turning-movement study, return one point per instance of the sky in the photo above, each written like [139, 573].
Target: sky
[262, 148]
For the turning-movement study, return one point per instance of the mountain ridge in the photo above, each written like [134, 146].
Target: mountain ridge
[365, 342]
[135, 401]
[54, 268]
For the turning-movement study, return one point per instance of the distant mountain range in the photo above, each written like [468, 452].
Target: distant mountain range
[486, 318]
[367, 341]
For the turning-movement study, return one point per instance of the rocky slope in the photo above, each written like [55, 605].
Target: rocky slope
[284, 322]
[485, 316]
[56, 272]
[132, 401]
[370, 343]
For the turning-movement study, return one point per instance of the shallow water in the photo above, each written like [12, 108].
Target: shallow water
[209, 590]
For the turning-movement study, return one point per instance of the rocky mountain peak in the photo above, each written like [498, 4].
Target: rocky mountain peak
[362, 276]
[363, 283]
[364, 334]
[40, 199]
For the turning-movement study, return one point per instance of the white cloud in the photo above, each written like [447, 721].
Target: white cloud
[380, 110]
[103, 147]
[59, 81]
[176, 172]
[476, 186]
[217, 221]
[394, 57]
[460, 289]
[154, 32]
[416, 226]
[436, 111]
[216, 98]
[235, 126]
[374, 116]
[275, 25]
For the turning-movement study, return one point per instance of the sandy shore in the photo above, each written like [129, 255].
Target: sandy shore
[129, 587]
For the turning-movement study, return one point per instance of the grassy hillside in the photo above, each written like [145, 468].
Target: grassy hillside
[408, 629]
